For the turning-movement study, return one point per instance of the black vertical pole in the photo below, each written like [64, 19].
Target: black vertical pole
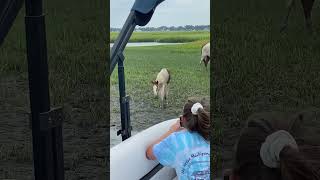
[124, 102]
[140, 14]
[43, 149]
[117, 57]
[58, 152]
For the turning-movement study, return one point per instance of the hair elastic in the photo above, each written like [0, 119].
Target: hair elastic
[195, 108]
[274, 143]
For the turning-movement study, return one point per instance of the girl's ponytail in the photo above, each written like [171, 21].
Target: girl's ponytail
[198, 119]
[294, 166]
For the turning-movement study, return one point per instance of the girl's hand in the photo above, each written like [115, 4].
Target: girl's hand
[176, 126]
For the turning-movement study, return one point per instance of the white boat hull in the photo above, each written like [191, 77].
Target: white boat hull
[128, 159]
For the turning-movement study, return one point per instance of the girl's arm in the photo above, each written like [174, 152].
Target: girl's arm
[149, 153]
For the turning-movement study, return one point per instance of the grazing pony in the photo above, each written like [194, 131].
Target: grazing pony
[160, 86]
[205, 54]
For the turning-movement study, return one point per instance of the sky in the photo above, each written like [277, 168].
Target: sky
[168, 13]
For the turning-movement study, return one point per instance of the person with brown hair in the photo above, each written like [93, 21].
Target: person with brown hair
[186, 146]
[270, 148]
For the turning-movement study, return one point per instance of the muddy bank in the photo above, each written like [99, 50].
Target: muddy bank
[142, 113]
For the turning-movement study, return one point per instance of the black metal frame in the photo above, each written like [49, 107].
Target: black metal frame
[118, 57]
[154, 171]
[140, 14]
[48, 141]
[46, 123]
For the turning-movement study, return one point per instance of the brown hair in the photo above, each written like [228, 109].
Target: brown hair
[198, 123]
[302, 164]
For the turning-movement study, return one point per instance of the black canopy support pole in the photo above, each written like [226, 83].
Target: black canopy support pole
[47, 156]
[118, 57]
[121, 40]
[140, 14]
[58, 152]
[124, 100]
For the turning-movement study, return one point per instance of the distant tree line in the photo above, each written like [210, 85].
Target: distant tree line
[171, 28]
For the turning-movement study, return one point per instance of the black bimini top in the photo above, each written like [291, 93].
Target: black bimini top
[145, 6]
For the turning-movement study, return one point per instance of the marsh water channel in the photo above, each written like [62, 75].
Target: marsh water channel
[140, 44]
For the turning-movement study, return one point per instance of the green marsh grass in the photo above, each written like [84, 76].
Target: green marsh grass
[165, 37]
[188, 77]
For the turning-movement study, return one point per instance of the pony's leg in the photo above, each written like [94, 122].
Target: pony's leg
[161, 95]
[206, 62]
[166, 95]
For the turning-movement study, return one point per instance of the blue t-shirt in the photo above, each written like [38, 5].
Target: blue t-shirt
[187, 152]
